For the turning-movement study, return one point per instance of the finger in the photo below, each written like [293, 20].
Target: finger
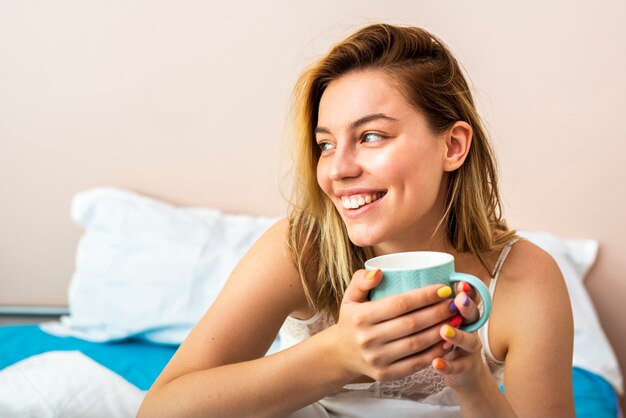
[465, 287]
[402, 303]
[411, 364]
[448, 366]
[443, 366]
[416, 321]
[362, 282]
[467, 341]
[413, 344]
[384, 355]
[456, 321]
[467, 307]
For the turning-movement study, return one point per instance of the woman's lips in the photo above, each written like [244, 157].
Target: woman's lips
[362, 210]
[355, 201]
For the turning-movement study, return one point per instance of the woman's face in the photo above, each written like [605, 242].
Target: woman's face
[380, 164]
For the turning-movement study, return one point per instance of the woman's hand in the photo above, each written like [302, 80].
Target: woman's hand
[462, 368]
[392, 337]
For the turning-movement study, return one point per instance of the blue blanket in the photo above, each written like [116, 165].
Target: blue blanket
[138, 362]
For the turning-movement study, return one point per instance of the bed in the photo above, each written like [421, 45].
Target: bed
[145, 272]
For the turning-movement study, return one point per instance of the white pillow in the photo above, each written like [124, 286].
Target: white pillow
[592, 350]
[147, 269]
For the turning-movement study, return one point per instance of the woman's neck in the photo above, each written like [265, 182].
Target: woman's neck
[439, 243]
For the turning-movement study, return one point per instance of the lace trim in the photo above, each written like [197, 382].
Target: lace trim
[426, 385]
[418, 386]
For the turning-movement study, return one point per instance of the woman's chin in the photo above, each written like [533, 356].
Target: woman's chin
[363, 240]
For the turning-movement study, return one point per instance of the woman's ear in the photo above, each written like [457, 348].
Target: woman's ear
[458, 141]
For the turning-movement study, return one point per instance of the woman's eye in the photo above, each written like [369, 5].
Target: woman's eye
[372, 137]
[325, 146]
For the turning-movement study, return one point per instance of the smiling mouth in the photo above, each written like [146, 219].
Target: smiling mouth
[359, 200]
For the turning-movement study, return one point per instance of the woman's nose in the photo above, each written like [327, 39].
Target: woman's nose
[345, 164]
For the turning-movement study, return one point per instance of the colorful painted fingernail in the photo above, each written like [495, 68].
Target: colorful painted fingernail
[444, 292]
[439, 364]
[466, 301]
[466, 287]
[371, 274]
[448, 331]
[453, 307]
[456, 321]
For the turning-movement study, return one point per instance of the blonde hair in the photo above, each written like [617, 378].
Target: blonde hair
[431, 80]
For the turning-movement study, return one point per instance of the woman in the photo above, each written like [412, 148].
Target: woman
[391, 156]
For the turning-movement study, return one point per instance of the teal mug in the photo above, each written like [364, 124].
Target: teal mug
[406, 271]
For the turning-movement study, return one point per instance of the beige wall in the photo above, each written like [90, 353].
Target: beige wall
[187, 101]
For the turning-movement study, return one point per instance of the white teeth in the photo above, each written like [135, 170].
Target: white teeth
[357, 201]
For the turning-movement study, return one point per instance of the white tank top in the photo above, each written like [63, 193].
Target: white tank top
[426, 387]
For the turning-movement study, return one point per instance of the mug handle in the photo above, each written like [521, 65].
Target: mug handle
[483, 291]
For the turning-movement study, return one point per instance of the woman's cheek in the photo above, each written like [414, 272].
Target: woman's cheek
[322, 179]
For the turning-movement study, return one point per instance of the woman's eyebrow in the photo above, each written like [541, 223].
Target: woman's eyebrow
[358, 122]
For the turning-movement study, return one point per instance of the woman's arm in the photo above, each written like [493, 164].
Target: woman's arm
[220, 371]
[540, 334]
[531, 325]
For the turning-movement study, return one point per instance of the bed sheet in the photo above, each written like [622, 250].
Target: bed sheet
[136, 361]
[45, 376]
[65, 384]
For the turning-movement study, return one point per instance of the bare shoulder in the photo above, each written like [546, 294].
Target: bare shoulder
[263, 289]
[531, 293]
[530, 277]
[268, 265]
[528, 263]
[273, 243]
